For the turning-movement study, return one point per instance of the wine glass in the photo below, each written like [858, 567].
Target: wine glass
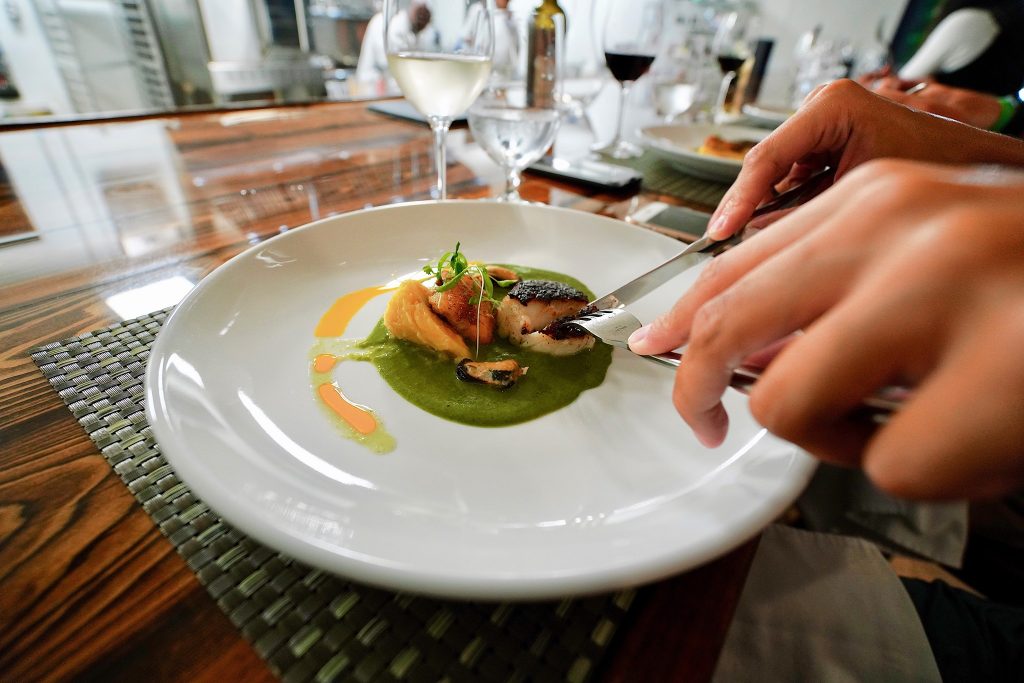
[440, 67]
[632, 31]
[732, 47]
[516, 117]
[584, 74]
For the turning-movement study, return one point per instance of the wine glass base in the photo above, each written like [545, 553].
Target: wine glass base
[619, 149]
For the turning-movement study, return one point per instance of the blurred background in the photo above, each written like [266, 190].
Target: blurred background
[71, 59]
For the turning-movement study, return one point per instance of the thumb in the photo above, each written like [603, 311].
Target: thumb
[668, 331]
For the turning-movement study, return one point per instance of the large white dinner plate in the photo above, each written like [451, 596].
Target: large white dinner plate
[678, 145]
[611, 491]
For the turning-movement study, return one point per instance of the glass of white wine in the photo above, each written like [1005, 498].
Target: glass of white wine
[516, 118]
[441, 63]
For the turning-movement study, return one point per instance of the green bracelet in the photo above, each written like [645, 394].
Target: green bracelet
[1007, 108]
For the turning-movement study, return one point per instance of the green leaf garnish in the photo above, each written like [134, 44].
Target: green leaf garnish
[454, 265]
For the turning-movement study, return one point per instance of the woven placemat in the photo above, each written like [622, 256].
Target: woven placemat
[662, 178]
[309, 625]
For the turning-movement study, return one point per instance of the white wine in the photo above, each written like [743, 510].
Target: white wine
[440, 85]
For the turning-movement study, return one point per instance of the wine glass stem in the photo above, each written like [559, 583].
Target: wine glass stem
[439, 126]
[511, 185]
[623, 99]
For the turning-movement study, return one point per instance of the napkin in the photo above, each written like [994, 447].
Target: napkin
[822, 607]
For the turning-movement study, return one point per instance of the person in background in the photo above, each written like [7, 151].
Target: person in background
[975, 47]
[909, 270]
[981, 110]
[506, 39]
[410, 30]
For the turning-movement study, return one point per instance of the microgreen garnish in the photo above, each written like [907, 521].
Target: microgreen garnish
[451, 268]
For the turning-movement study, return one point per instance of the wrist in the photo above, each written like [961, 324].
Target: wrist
[1011, 114]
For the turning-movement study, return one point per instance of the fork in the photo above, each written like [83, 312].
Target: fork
[614, 325]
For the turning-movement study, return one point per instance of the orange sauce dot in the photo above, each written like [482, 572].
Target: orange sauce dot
[341, 312]
[324, 362]
[360, 418]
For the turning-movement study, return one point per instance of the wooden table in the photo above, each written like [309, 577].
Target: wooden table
[88, 587]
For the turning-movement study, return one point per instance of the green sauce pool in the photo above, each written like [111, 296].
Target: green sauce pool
[427, 379]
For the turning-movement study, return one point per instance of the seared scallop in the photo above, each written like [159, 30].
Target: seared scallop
[528, 316]
[465, 310]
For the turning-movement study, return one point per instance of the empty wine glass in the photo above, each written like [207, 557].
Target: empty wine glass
[516, 117]
[584, 74]
[630, 41]
[440, 68]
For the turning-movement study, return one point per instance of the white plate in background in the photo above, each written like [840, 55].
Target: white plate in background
[765, 116]
[678, 145]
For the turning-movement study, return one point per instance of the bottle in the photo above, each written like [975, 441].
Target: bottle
[543, 44]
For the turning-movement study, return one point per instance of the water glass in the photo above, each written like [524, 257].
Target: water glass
[515, 119]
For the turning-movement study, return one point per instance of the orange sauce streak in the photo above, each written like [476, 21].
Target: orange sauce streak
[338, 316]
[324, 362]
[360, 419]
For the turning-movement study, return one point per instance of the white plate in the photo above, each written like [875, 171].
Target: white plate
[611, 491]
[768, 117]
[678, 144]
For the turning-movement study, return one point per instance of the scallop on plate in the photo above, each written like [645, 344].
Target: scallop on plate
[706, 151]
[609, 490]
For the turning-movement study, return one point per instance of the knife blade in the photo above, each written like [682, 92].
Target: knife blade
[706, 248]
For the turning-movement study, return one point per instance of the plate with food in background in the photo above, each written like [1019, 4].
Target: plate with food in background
[386, 395]
[767, 116]
[708, 151]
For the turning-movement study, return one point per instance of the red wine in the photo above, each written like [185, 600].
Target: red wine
[729, 63]
[627, 67]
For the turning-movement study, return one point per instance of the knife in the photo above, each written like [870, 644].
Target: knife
[706, 248]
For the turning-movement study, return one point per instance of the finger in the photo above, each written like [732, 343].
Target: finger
[672, 329]
[812, 392]
[813, 130]
[771, 302]
[961, 434]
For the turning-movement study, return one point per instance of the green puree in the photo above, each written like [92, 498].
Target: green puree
[427, 379]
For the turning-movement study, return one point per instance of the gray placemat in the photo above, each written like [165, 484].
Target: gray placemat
[309, 625]
[662, 178]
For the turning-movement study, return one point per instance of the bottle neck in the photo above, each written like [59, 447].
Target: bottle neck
[551, 7]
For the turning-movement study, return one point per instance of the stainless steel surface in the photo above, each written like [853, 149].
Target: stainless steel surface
[613, 326]
[693, 255]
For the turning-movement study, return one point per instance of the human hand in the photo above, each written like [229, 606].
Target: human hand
[977, 109]
[902, 274]
[843, 125]
[866, 79]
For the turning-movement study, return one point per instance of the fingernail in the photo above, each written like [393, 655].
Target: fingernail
[716, 230]
[638, 336]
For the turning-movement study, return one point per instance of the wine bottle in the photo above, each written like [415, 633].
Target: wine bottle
[547, 23]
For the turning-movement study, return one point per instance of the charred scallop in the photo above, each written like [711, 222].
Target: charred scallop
[466, 310]
[531, 314]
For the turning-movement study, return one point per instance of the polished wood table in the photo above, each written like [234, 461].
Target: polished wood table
[89, 589]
